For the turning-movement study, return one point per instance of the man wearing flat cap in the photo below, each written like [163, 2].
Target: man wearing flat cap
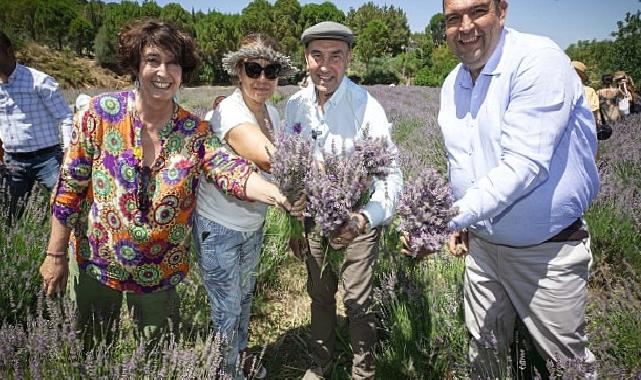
[333, 112]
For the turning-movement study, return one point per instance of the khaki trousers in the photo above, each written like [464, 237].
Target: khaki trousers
[545, 284]
[356, 279]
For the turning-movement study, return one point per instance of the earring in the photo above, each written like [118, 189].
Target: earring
[137, 84]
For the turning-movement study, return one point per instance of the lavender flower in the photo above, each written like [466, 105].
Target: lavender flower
[290, 164]
[425, 208]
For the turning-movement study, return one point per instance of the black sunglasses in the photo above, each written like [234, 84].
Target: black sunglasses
[254, 69]
[144, 175]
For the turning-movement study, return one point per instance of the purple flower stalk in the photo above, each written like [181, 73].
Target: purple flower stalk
[425, 208]
[290, 164]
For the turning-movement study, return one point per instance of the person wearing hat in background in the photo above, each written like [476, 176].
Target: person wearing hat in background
[609, 97]
[228, 232]
[334, 111]
[31, 109]
[590, 93]
[624, 83]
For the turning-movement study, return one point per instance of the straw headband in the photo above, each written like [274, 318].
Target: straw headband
[231, 60]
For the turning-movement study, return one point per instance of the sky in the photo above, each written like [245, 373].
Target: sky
[565, 21]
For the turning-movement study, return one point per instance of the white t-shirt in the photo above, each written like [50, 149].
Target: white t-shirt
[212, 203]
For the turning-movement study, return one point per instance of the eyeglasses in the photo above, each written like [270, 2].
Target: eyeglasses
[144, 175]
[254, 69]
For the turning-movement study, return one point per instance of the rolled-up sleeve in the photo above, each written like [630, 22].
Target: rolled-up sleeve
[75, 171]
[57, 107]
[541, 97]
[226, 170]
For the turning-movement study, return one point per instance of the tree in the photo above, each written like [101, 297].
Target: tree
[393, 18]
[287, 31]
[256, 18]
[372, 41]
[116, 15]
[52, 19]
[436, 29]
[81, 35]
[627, 45]
[312, 14]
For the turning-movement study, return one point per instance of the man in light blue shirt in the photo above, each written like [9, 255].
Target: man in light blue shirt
[521, 141]
[31, 108]
[334, 112]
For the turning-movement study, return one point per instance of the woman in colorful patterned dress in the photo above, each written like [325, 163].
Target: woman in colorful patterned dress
[127, 188]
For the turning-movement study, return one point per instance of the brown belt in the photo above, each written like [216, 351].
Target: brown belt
[573, 232]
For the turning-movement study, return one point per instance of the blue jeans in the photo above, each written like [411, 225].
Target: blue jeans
[228, 261]
[22, 174]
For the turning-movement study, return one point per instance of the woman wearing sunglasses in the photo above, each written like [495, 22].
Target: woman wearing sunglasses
[229, 232]
[127, 188]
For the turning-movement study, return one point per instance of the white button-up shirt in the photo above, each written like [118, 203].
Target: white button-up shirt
[521, 142]
[345, 115]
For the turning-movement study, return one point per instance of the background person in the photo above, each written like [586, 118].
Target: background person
[521, 141]
[333, 111]
[135, 160]
[590, 94]
[609, 97]
[31, 108]
[229, 232]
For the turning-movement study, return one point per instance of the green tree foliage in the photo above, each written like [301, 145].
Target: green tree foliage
[256, 17]
[81, 35]
[311, 14]
[216, 34]
[394, 19]
[372, 41]
[442, 62]
[116, 15]
[436, 29]
[628, 45]
[52, 19]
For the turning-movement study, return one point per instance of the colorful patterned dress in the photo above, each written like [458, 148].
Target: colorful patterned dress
[131, 225]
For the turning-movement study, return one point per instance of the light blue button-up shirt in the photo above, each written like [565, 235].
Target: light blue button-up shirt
[346, 114]
[520, 141]
[31, 108]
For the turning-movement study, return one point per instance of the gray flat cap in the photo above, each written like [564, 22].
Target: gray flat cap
[328, 30]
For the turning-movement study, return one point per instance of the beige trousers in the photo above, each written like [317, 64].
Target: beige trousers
[545, 285]
[356, 278]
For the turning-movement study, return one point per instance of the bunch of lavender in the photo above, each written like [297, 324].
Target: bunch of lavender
[290, 163]
[341, 183]
[375, 155]
[289, 166]
[425, 208]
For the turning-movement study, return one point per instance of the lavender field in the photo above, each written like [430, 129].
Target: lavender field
[419, 302]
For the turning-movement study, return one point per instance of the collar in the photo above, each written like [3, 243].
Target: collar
[491, 68]
[14, 75]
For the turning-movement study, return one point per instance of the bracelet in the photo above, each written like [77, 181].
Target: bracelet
[58, 254]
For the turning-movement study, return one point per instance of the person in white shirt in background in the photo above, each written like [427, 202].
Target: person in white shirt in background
[334, 111]
[229, 232]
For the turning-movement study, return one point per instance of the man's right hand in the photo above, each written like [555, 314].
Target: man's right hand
[298, 247]
[459, 243]
[408, 251]
[54, 271]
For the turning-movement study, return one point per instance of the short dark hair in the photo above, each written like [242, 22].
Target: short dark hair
[133, 38]
[5, 41]
[606, 79]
